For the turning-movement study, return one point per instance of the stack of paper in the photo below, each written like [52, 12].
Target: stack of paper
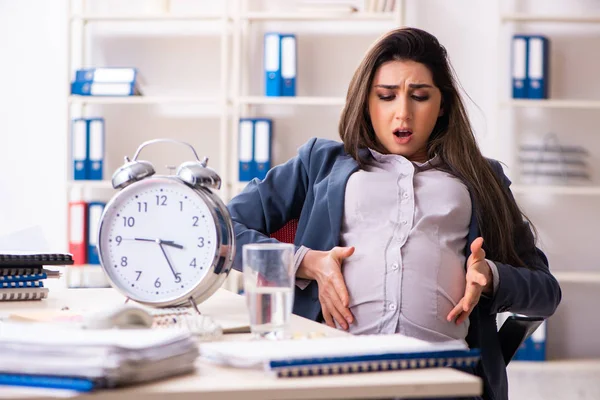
[335, 355]
[105, 358]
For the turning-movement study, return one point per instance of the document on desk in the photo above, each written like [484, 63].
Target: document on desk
[335, 355]
[106, 357]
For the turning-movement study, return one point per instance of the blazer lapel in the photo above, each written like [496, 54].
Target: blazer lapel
[336, 190]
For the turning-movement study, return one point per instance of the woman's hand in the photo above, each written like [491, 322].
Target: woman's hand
[326, 268]
[479, 280]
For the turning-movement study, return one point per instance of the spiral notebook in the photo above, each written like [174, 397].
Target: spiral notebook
[340, 355]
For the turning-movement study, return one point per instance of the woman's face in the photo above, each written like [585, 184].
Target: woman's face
[404, 106]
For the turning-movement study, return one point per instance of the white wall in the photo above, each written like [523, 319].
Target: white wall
[33, 89]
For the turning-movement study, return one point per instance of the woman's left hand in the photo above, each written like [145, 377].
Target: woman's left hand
[479, 280]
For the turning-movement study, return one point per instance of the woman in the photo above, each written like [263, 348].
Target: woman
[432, 242]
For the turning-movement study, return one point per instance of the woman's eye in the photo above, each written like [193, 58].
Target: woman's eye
[420, 98]
[386, 98]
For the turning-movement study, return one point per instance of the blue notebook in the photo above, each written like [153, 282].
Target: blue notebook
[22, 278]
[51, 382]
[21, 284]
[341, 355]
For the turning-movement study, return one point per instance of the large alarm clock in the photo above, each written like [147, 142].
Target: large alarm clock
[166, 240]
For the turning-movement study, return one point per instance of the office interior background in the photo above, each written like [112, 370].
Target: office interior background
[200, 76]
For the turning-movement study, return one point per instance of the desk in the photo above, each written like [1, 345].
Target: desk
[216, 382]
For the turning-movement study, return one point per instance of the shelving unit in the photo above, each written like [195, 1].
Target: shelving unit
[79, 19]
[243, 101]
[569, 376]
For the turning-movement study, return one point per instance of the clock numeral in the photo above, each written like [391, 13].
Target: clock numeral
[123, 261]
[128, 221]
[177, 277]
[193, 263]
[201, 239]
[196, 219]
[139, 274]
[118, 239]
[157, 283]
[161, 200]
[142, 207]
[181, 206]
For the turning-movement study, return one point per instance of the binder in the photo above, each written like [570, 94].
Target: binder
[22, 277]
[537, 70]
[79, 148]
[272, 64]
[341, 355]
[84, 88]
[288, 65]
[50, 382]
[95, 140]
[21, 284]
[95, 210]
[22, 294]
[262, 147]
[520, 54]
[77, 231]
[245, 149]
[107, 74]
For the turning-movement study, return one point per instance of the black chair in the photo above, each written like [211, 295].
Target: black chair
[513, 333]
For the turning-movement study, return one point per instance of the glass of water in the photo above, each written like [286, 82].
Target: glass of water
[269, 288]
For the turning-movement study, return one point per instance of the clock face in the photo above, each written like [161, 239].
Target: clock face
[157, 240]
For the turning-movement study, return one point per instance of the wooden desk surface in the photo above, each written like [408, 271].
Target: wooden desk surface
[216, 382]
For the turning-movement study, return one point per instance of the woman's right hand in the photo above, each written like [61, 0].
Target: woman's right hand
[326, 268]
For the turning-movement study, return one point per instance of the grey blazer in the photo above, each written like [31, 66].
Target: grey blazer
[311, 186]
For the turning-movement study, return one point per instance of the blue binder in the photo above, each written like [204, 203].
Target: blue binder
[23, 277]
[79, 148]
[95, 139]
[107, 74]
[272, 64]
[246, 149]
[95, 210]
[537, 69]
[520, 53]
[262, 147]
[288, 65]
[84, 88]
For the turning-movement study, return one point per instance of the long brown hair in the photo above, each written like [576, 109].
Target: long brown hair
[452, 138]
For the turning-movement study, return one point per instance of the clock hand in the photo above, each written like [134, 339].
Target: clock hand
[165, 242]
[160, 243]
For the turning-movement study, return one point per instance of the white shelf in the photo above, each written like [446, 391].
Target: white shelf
[581, 104]
[321, 16]
[74, 99]
[294, 100]
[556, 189]
[577, 277]
[105, 184]
[585, 19]
[146, 17]
[556, 365]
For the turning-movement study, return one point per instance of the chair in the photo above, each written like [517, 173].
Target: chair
[512, 334]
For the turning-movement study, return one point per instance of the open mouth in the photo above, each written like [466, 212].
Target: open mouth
[402, 133]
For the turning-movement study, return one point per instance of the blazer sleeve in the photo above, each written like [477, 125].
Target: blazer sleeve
[265, 206]
[531, 291]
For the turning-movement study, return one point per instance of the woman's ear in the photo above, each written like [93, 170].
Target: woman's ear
[441, 108]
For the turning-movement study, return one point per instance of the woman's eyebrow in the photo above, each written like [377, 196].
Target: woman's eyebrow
[411, 85]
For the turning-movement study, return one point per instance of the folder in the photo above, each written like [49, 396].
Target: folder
[107, 74]
[79, 148]
[77, 231]
[262, 147]
[288, 65]
[95, 141]
[272, 64]
[245, 149]
[84, 88]
[537, 70]
[94, 213]
[520, 82]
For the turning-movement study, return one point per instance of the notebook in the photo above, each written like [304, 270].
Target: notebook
[340, 355]
[33, 258]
